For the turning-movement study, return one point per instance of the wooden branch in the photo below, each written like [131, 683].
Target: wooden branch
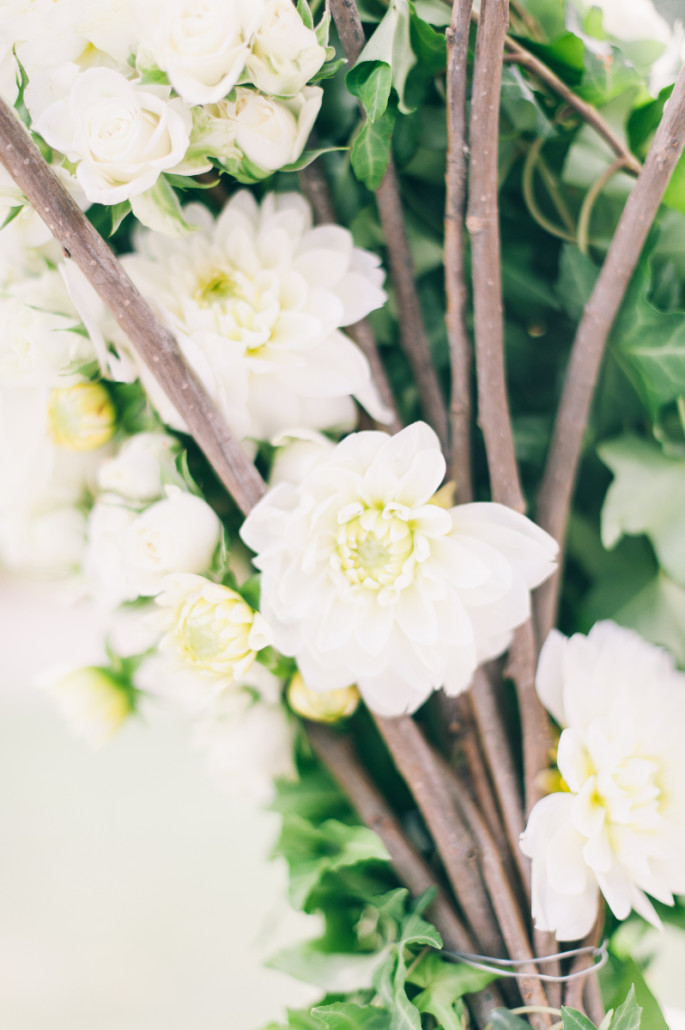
[417, 764]
[592, 334]
[482, 222]
[536, 729]
[337, 754]
[497, 749]
[519, 55]
[459, 465]
[315, 188]
[154, 343]
[583, 993]
[413, 338]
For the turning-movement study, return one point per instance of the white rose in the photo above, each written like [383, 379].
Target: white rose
[129, 555]
[137, 472]
[285, 54]
[202, 45]
[120, 134]
[271, 133]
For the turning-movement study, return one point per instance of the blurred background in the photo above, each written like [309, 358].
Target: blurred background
[134, 894]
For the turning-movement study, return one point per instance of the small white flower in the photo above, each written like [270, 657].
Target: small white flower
[270, 133]
[256, 301]
[620, 827]
[121, 135]
[138, 471]
[248, 745]
[285, 54]
[201, 44]
[366, 581]
[210, 629]
[129, 554]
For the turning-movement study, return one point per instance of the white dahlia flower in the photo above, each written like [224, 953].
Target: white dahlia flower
[366, 581]
[619, 828]
[257, 300]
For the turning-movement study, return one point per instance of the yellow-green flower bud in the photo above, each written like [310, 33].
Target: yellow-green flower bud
[211, 629]
[94, 703]
[319, 706]
[81, 417]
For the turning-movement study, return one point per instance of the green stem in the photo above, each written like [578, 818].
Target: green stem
[529, 195]
[590, 201]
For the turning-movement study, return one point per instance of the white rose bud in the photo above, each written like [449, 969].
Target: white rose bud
[81, 417]
[210, 628]
[270, 133]
[137, 471]
[120, 134]
[329, 706]
[202, 45]
[94, 703]
[285, 54]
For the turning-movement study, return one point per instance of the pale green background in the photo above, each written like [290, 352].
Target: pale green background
[134, 895]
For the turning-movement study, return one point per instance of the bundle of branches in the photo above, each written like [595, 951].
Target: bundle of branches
[475, 765]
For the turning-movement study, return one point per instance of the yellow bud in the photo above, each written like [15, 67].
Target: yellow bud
[94, 703]
[81, 417]
[321, 707]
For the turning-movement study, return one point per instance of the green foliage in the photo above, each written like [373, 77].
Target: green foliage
[371, 149]
[574, 1020]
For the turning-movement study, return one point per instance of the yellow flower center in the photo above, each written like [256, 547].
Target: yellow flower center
[81, 417]
[373, 549]
[215, 636]
[219, 285]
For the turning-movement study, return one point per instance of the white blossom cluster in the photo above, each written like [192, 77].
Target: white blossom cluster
[125, 93]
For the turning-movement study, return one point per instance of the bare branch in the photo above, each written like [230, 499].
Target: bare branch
[457, 38]
[482, 222]
[154, 343]
[337, 754]
[413, 338]
[315, 187]
[421, 770]
[592, 334]
[535, 725]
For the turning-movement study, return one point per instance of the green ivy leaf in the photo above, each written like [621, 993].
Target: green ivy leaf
[370, 152]
[650, 344]
[390, 44]
[444, 985]
[348, 1016]
[371, 83]
[335, 973]
[574, 1020]
[577, 277]
[646, 496]
[628, 1015]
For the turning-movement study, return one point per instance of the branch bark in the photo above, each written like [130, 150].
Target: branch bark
[420, 769]
[591, 338]
[459, 466]
[155, 344]
[413, 338]
[482, 223]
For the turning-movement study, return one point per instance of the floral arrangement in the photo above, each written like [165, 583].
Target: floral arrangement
[259, 457]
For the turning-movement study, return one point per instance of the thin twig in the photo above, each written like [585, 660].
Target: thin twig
[531, 63]
[528, 184]
[589, 203]
[155, 344]
[590, 341]
[315, 188]
[535, 725]
[583, 992]
[338, 755]
[412, 332]
[482, 222]
[417, 764]
[457, 38]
